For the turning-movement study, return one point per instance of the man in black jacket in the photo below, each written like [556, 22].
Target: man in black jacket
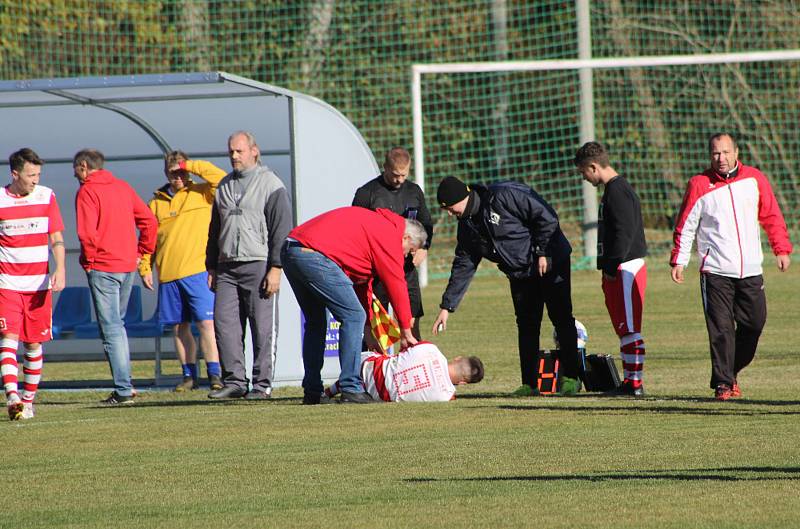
[392, 190]
[621, 249]
[511, 225]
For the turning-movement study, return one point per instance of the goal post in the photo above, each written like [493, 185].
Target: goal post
[762, 103]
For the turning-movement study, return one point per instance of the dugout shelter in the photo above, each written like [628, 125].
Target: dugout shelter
[315, 150]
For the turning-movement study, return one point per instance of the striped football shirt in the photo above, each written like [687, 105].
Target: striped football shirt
[26, 223]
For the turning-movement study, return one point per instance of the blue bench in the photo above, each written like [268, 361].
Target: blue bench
[72, 318]
[73, 308]
[133, 314]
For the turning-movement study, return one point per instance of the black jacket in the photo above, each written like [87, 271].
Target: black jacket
[408, 201]
[620, 231]
[513, 227]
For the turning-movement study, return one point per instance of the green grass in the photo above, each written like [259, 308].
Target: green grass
[676, 459]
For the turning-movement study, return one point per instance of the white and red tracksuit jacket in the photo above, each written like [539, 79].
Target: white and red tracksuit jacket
[724, 214]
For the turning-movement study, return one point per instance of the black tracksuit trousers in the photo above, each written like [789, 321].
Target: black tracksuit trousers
[736, 311]
[530, 295]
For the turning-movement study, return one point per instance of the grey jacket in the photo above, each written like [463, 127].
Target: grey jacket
[250, 219]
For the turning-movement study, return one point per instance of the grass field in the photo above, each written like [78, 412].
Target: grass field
[675, 459]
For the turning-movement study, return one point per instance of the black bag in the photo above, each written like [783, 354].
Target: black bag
[600, 373]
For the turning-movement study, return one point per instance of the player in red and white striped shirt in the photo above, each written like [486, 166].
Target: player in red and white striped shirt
[30, 224]
[420, 373]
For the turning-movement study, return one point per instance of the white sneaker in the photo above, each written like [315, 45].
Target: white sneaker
[28, 411]
[14, 407]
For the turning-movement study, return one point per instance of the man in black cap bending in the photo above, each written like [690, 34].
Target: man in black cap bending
[511, 225]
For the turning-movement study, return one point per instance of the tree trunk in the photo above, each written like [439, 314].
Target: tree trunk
[652, 122]
[196, 28]
[315, 44]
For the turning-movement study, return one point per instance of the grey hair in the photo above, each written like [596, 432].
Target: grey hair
[416, 232]
[251, 141]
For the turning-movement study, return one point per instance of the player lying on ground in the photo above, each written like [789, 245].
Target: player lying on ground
[420, 373]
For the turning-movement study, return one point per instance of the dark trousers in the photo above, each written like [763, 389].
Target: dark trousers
[414, 297]
[240, 299]
[736, 311]
[414, 292]
[530, 295]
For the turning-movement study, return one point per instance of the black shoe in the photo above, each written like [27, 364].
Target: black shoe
[215, 382]
[258, 395]
[228, 392]
[187, 384]
[626, 390]
[355, 398]
[115, 399]
[311, 399]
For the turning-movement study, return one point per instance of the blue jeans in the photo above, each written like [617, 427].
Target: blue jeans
[318, 283]
[110, 293]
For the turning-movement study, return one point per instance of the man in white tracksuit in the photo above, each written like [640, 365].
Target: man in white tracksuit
[723, 207]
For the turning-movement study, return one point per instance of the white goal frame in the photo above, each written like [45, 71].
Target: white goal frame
[587, 105]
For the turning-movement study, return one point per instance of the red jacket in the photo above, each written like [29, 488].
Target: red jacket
[365, 244]
[108, 213]
[724, 216]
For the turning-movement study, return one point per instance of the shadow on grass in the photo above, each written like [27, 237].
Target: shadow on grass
[208, 402]
[547, 403]
[649, 398]
[735, 402]
[676, 410]
[696, 474]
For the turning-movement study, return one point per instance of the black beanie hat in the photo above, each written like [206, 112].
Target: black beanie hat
[451, 191]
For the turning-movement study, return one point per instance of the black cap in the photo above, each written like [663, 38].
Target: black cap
[451, 191]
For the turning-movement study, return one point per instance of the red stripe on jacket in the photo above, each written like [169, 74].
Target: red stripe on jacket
[721, 242]
[377, 374]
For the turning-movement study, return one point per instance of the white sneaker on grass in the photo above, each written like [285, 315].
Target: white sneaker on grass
[14, 407]
[28, 411]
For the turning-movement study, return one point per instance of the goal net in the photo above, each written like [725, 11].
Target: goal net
[485, 122]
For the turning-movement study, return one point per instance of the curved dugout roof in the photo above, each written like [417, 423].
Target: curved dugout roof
[133, 120]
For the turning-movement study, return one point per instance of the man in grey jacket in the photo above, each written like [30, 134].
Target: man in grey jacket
[250, 220]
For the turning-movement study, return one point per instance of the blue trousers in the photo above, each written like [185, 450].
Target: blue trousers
[318, 283]
[110, 294]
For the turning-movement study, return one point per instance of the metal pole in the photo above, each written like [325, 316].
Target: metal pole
[500, 113]
[419, 159]
[587, 129]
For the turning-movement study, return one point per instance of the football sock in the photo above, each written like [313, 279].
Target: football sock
[9, 371]
[333, 390]
[632, 353]
[189, 370]
[31, 373]
[213, 369]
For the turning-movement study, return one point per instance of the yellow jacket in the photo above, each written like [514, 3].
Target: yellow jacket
[183, 224]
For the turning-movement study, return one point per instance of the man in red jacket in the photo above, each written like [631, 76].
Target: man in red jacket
[108, 213]
[723, 207]
[330, 261]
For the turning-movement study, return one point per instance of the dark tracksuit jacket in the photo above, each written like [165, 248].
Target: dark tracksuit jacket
[620, 232]
[514, 226]
[408, 201]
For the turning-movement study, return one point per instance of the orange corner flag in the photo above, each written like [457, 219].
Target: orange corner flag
[384, 328]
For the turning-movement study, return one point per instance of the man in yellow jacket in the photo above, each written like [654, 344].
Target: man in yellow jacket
[183, 210]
